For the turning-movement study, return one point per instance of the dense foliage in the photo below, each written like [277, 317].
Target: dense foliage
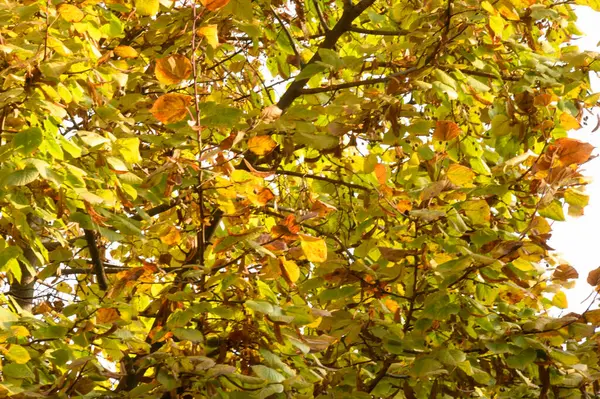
[288, 199]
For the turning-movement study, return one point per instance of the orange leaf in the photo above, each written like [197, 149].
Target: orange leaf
[322, 208]
[314, 248]
[446, 130]
[261, 145]
[172, 69]
[126, 52]
[172, 237]
[381, 173]
[70, 13]
[107, 315]
[594, 277]
[460, 175]
[171, 107]
[214, 5]
[571, 151]
[264, 196]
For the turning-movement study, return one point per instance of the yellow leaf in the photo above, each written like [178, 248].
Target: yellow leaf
[568, 122]
[173, 69]
[477, 210]
[592, 316]
[488, 7]
[315, 249]
[126, 52]
[214, 5]
[211, 34]
[315, 323]
[290, 270]
[560, 300]
[19, 331]
[391, 305]
[508, 13]
[70, 13]
[172, 237]
[171, 107]
[261, 145]
[147, 7]
[460, 175]
[18, 354]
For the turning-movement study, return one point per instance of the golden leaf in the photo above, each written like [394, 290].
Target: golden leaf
[289, 270]
[560, 300]
[460, 175]
[107, 315]
[210, 33]
[446, 130]
[261, 145]
[172, 237]
[322, 208]
[126, 52]
[568, 122]
[147, 7]
[314, 248]
[173, 69]
[214, 5]
[171, 107]
[70, 13]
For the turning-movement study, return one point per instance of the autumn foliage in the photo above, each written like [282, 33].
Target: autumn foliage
[269, 199]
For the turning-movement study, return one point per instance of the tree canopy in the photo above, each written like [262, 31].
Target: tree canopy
[291, 199]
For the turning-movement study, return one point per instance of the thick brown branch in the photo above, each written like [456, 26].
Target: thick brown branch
[315, 177]
[90, 237]
[350, 14]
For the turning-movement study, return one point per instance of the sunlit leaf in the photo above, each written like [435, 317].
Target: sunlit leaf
[171, 108]
[261, 145]
[446, 130]
[314, 248]
[70, 13]
[214, 5]
[173, 69]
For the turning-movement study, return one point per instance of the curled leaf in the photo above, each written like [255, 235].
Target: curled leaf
[173, 69]
[171, 107]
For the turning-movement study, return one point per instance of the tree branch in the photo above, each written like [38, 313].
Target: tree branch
[96, 261]
[350, 14]
[378, 32]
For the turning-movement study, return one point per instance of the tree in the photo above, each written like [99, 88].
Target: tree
[329, 199]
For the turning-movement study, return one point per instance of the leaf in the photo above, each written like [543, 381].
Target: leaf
[107, 315]
[267, 373]
[381, 173]
[172, 237]
[523, 359]
[261, 145]
[290, 270]
[70, 13]
[497, 24]
[560, 300]
[553, 211]
[315, 249]
[22, 177]
[147, 7]
[210, 33]
[568, 122]
[188, 334]
[126, 52]
[593, 277]
[565, 272]
[173, 69]
[18, 354]
[28, 140]
[446, 130]
[214, 5]
[592, 316]
[427, 366]
[171, 107]
[571, 151]
[460, 175]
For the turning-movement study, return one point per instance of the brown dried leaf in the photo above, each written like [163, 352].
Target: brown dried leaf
[593, 278]
[571, 151]
[564, 272]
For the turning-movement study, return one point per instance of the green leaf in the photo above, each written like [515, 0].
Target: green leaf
[267, 373]
[523, 359]
[316, 141]
[553, 211]
[18, 354]
[129, 149]
[28, 140]
[427, 366]
[22, 177]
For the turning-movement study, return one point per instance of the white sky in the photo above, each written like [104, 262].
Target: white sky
[578, 239]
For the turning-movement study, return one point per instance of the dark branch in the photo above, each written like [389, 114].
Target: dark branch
[378, 32]
[350, 14]
[90, 237]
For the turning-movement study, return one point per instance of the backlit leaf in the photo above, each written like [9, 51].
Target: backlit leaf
[261, 145]
[446, 130]
[173, 69]
[171, 107]
[571, 151]
[214, 5]
[314, 248]
[70, 13]
[147, 7]
[126, 52]
[210, 33]
[460, 175]
[593, 277]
